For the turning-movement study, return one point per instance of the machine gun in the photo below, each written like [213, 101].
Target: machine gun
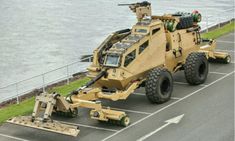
[141, 9]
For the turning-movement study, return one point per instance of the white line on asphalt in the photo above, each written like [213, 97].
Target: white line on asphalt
[218, 73]
[139, 94]
[12, 137]
[142, 94]
[174, 120]
[224, 50]
[89, 126]
[221, 41]
[184, 83]
[132, 111]
[158, 111]
[175, 98]
[155, 131]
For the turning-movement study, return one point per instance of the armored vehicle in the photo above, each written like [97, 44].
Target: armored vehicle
[144, 56]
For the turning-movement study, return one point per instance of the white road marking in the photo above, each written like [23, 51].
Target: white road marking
[222, 50]
[174, 120]
[132, 111]
[12, 137]
[142, 94]
[218, 73]
[89, 126]
[158, 111]
[222, 41]
[175, 98]
[139, 94]
[184, 83]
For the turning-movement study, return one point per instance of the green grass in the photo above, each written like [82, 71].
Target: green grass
[66, 89]
[26, 107]
[23, 108]
[219, 32]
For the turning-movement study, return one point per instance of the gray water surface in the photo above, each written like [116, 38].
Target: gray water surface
[41, 35]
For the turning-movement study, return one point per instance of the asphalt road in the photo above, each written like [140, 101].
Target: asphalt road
[208, 112]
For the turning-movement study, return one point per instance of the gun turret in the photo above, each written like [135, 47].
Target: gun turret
[141, 9]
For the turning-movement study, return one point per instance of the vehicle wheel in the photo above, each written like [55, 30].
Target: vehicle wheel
[125, 121]
[186, 21]
[73, 113]
[159, 85]
[196, 68]
[227, 59]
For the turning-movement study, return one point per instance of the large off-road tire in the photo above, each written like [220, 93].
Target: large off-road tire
[196, 68]
[185, 20]
[159, 85]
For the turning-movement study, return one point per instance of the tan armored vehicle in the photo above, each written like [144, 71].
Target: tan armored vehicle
[145, 56]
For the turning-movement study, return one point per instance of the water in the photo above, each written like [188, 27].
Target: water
[41, 35]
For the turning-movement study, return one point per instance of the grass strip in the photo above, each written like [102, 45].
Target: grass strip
[219, 31]
[26, 106]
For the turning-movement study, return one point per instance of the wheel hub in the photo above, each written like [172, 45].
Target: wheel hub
[165, 85]
[202, 69]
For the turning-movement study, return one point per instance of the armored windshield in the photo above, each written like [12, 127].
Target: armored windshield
[112, 60]
[141, 30]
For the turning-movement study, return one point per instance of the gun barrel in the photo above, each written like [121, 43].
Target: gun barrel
[124, 4]
[144, 3]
